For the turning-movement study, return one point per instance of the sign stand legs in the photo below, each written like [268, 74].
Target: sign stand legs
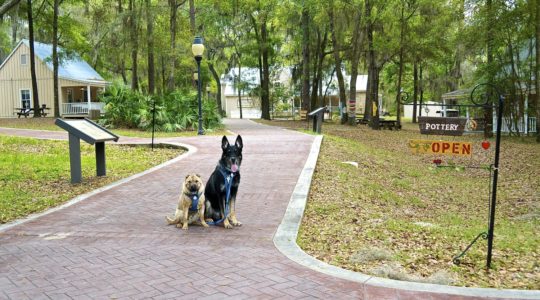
[100, 159]
[75, 158]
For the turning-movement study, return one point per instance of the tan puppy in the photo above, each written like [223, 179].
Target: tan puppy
[191, 203]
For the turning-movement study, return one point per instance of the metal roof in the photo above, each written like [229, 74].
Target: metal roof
[73, 68]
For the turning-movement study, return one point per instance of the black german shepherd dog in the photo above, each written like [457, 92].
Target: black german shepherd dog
[222, 186]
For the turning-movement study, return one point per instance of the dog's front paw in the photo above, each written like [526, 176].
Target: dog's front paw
[234, 221]
[185, 227]
[227, 225]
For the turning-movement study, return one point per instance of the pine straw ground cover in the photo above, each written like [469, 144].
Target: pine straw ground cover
[398, 216]
[35, 174]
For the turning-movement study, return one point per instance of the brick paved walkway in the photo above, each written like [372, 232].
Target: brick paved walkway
[116, 244]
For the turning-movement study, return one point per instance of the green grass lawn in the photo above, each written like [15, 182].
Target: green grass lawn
[35, 174]
[399, 216]
[48, 124]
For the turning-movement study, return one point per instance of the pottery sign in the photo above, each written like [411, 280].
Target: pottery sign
[442, 126]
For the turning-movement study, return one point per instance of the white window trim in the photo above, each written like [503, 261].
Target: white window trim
[26, 59]
[21, 99]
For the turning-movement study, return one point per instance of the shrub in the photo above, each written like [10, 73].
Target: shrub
[175, 111]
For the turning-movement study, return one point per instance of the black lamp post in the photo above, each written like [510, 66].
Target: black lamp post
[197, 49]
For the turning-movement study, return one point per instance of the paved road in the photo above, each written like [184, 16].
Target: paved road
[116, 244]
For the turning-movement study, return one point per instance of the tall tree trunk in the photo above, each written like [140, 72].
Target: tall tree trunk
[122, 64]
[305, 60]
[259, 56]
[355, 60]
[400, 71]
[265, 84]
[375, 96]
[373, 72]
[218, 84]
[134, 44]
[537, 69]
[163, 75]
[55, 59]
[488, 112]
[239, 86]
[150, 46]
[415, 91]
[192, 17]
[14, 14]
[421, 85]
[35, 96]
[317, 80]
[172, 61]
[337, 59]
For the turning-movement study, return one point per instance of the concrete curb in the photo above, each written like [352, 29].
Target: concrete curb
[190, 150]
[285, 241]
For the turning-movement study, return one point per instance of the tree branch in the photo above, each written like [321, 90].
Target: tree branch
[7, 6]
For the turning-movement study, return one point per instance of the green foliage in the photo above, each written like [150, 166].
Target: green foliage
[176, 111]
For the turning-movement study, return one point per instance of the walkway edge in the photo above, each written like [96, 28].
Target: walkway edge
[190, 150]
[287, 232]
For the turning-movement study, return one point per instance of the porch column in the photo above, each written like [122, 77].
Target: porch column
[527, 115]
[88, 93]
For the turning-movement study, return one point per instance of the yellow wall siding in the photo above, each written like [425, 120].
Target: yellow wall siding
[14, 77]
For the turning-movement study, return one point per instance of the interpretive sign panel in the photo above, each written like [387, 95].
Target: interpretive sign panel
[442, 126]
[87, 130]
[91, 133]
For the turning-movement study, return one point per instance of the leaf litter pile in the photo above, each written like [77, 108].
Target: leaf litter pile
[377, 208]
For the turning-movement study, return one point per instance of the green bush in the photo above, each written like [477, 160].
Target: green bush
[176, 111]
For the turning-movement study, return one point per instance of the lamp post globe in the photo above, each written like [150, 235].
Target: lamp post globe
[197, 48]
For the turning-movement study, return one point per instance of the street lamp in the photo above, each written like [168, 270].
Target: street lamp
[197, 49]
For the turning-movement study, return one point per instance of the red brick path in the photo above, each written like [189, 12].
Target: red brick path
[116, 244]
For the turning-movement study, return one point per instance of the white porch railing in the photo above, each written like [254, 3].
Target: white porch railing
[81, 108]
[523, 125]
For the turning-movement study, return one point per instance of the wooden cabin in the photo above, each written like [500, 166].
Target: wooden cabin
[78, 83]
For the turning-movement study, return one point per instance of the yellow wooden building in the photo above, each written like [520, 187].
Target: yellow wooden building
[78, 83]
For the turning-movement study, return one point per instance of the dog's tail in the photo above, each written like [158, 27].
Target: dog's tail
[175, 220]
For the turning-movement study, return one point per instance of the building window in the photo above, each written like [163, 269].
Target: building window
[24, 59]
[25, 99]
[69, 95]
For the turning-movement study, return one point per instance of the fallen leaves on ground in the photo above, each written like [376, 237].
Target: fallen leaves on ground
[419, 215]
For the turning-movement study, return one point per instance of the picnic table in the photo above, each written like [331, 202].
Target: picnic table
[26, 111]
[388, 124]
[383, 123]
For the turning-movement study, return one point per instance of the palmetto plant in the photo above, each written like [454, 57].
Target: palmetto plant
[176, 111]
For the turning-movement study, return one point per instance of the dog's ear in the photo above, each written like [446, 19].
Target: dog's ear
[224, 143]
[187, 176]
[239, 142]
